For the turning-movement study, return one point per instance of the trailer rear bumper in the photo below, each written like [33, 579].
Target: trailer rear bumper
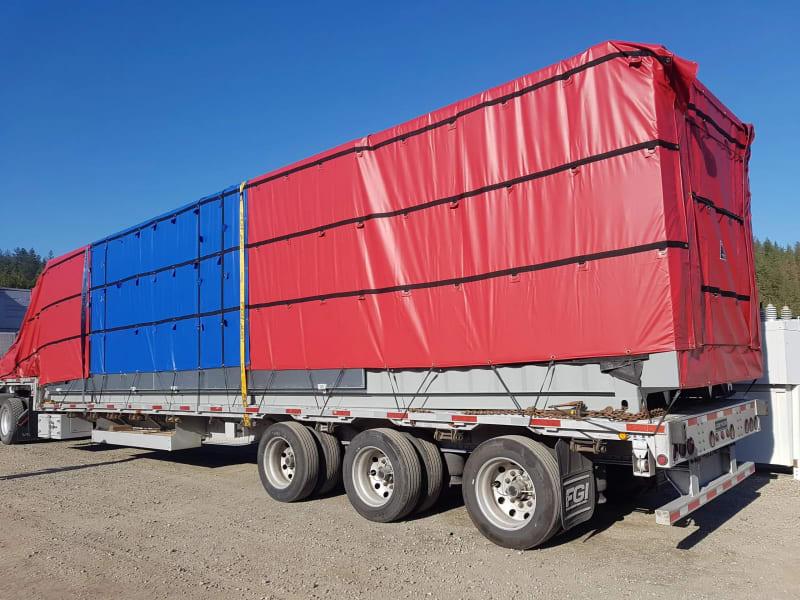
[673, 511]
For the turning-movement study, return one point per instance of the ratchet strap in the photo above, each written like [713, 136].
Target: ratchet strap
[242, 305]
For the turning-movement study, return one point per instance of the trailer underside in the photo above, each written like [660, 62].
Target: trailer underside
[568, 422]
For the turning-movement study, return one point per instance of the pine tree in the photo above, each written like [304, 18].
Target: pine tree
[20, 268]
[778, 273]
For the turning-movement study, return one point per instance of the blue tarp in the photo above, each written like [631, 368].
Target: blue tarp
[165, 294]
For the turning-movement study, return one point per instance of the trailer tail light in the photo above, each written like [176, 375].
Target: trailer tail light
[690, 446]
[662, 460]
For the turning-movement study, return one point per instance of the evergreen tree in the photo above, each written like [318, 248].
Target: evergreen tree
[778, 273]
[20, 268]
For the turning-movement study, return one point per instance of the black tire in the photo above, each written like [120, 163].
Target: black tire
[540, 464]
[330, 471]
[432, 471]
[300, 479]
[11, 409]
[406, 479]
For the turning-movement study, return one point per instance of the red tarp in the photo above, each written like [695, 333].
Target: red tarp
[550, 218]
[49, 343]
[597, 208]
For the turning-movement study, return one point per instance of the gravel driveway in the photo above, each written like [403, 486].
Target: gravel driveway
[83, 521]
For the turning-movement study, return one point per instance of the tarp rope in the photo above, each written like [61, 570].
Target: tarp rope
[242, 306]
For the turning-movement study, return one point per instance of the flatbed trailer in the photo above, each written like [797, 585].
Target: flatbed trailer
[692, 446]
[518, 294]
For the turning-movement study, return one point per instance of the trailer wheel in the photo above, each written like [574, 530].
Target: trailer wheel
[512, 492]
[432, 471]
[288, 461]
[330, 471]
[11, 410]
[382, 475]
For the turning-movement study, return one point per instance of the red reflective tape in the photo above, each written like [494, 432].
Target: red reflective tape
[71, 406]
[90, 406]
[711, 416]
[743, 408]
[293, 411]
[342, 413]
[692, 421]
[397, 415]
[216, 409]
[728, 412]
[546, 422]
[727, 485]
[157, 407]
[674, 516]
[739, 477]
[251, 409]
[184, 408]
[109, 406]
[711, 494]
[464, 418]
[694, 505]
[644, 428]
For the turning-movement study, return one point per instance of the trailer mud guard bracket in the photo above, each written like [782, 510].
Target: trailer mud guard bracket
[578, 493]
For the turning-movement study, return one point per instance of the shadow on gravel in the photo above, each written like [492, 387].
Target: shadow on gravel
[210, 457]
[711, 516]
[707, 518]
[450, 499]
[64, 469]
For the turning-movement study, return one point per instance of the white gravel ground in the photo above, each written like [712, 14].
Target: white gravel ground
[82, 521]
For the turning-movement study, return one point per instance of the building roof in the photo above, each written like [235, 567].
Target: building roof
[13, 304]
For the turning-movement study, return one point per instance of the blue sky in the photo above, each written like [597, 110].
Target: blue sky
[113, 112]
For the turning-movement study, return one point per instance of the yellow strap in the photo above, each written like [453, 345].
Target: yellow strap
[242, 320]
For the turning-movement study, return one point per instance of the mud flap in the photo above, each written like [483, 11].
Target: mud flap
[578, 493]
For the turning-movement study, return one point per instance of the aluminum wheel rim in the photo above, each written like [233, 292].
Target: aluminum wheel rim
[5, 421]
[373, 476]
[505, 493]
[279, 462]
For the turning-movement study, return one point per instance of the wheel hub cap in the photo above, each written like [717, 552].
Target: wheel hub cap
[279, 462]
[505, 493]
[5, 421]
[373, 476]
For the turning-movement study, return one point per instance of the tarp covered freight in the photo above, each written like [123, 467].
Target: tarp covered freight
[599, 207]
[50, 343]
[165, 294]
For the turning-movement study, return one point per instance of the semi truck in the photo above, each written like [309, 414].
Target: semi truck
[535, 293]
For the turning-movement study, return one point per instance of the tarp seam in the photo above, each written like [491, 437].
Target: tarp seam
[648, 145]
[723, 211]
[710, 289]
[708, 119]
[483, 276]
